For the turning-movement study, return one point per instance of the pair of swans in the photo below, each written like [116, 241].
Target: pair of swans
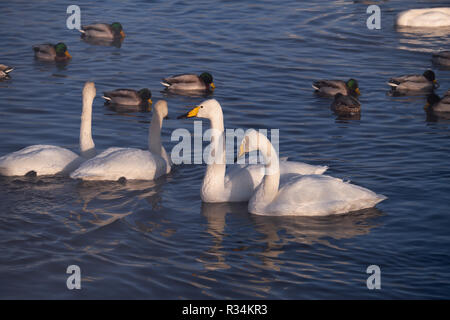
[277, 187]
[111, 164]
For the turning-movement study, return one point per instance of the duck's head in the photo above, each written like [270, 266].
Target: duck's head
[430, 76]
[61, 51]
[208, 79]
[352, 85]
[161, 109]
[89, 90]
[146, 95]
[207, 109]
[432, 99]
[117, 29]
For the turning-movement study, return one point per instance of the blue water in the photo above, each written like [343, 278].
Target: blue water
[156, 239]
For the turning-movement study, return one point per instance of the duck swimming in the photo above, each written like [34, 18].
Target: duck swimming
[4, 71]
[129, 97]
[436, 104]
[189, 82]
[442, 58]
[332, 87]
[103, 30]
[50, 52]
[414, 83]
[345, 105]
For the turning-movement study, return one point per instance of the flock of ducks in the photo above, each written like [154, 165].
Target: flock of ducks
[276, 187]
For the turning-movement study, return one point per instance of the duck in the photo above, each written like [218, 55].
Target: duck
[40, 160]
[51, 52]
[4, 71]
[437, 104]
[426, 17]
[332, 87]
[189, 82]
[121, 164]
[345, 105]
[442, 58]
[414, 83]
[103, 30]
[129, 97]
[301, 195]
[239, 183]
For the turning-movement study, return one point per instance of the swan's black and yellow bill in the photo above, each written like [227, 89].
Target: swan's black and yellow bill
[190, 114]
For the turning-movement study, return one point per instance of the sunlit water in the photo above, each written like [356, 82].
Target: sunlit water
[157, 239]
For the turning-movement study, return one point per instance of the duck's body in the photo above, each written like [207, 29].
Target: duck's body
[414, 83]
[129, 97]
[51, 52]
[330, 88]
[428, 17]
[345, 105]
[131, 163]
[439, 105]
[238, 183]
[4, 71]
[189, 82]
[302, 195]
[103, 30]
[51, 160]
[442, 58]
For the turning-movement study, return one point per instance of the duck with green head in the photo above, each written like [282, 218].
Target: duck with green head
[330, 88]
[414, 83]
[103, 30]
[51, 52]
[189, 82]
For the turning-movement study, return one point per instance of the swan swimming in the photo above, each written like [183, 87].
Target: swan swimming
[302, 195]
[240, 182]
[49, 159]
[428, 17]
[131, 163]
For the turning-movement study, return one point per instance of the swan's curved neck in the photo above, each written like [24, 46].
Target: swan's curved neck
[268, 188]
[87, 146]
[154, 137]
[213, 184]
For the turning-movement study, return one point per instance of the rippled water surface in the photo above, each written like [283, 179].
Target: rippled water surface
[157, 239]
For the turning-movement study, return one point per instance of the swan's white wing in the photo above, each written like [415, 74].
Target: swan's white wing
[43, 159]
[115, 163]
[318, 195]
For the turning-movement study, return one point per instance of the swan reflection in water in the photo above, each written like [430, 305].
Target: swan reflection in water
[103, 202]
[275, 232]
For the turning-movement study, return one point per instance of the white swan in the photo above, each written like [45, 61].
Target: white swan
[130, 163]
[241, 181]
[429, 17]
[301, 195]
[48, 159]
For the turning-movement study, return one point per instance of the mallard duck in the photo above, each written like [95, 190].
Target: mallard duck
[103, 30]
[414, 83]
[436, 104]
[428, 17]
[332, 87]
[129, 97]
[189, 82]
[4, 71]
[51, 52]
[442, 58]
[345, 105]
